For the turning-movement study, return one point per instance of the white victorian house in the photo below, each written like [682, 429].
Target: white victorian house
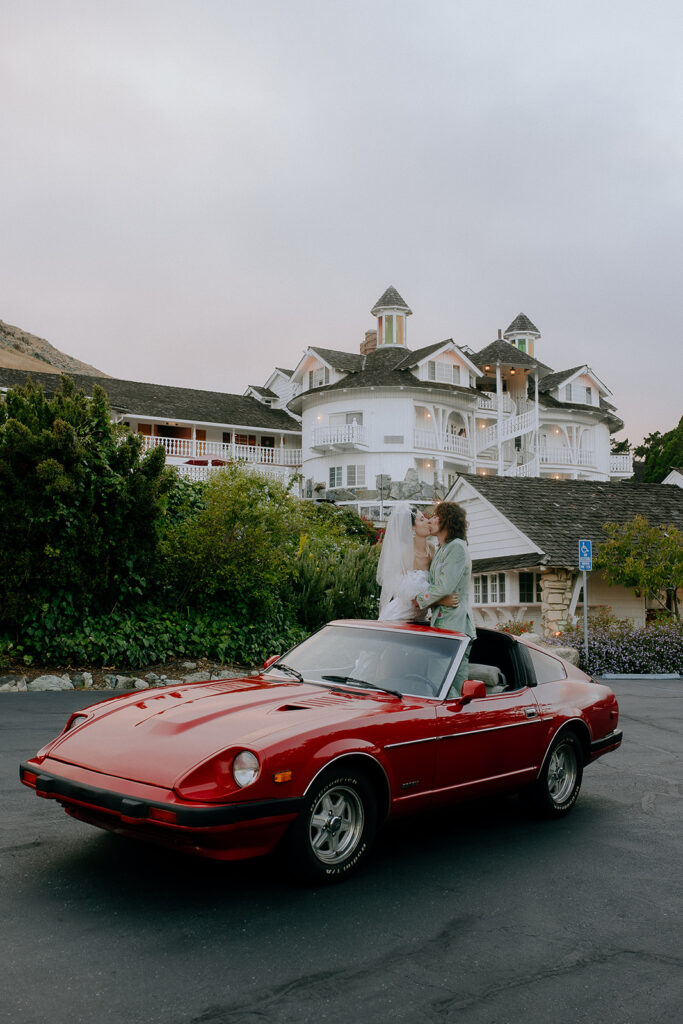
[388, 423]
[369, 427]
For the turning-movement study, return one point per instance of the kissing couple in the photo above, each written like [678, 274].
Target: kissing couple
[425, 566]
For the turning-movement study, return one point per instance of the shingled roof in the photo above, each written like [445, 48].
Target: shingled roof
[390, 300]
[503, 352]
[163, 402]
[385, 367]
[556, 514]
[346, 361]
[523, 324]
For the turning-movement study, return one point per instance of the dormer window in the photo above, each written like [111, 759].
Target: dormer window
[449, 373]
[318, 378]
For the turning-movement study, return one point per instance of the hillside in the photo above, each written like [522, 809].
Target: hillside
[20, 350]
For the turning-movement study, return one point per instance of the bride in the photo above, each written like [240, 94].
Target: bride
[403, 568]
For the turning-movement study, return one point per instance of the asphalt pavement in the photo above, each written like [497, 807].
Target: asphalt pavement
[482, 915]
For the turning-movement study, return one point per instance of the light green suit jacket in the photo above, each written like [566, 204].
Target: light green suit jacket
[450, 573]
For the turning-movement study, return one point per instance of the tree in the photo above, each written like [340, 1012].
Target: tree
[619, 447]
[237, 550]
[80, 508]
[661, 452]
[644, 557]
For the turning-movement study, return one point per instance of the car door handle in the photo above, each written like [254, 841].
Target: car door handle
[530, 712]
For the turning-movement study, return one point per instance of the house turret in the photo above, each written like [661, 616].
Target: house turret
[522, 334]
[391, 312]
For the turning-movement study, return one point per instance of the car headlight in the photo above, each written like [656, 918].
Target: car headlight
[245, 768]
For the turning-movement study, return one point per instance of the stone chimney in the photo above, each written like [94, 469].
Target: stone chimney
[370, 343]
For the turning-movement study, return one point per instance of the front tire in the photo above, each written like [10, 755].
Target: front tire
[334, 832]
[558, 786]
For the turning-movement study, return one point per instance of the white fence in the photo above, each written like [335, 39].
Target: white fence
[186, 448]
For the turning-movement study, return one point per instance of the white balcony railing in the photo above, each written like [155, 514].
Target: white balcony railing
[621, 464]
[566, 457]
[488, 401]
[186, 448]
[281, 473]
[448, 443]
[344, 434]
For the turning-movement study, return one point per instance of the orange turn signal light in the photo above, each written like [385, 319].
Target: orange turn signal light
[282, 777]
[159, 814]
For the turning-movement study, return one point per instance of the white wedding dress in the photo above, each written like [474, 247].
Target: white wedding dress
[399, 581]
[401, 608]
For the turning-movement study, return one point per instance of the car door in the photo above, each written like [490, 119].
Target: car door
[490, 743]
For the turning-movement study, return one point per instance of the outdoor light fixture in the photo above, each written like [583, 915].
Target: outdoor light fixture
[513, 371]
[487, 367]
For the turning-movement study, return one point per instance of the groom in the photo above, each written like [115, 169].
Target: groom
[451, 572]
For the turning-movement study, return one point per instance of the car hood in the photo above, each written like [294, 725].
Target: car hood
[158, 737]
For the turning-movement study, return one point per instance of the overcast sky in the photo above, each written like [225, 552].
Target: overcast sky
[192, 192]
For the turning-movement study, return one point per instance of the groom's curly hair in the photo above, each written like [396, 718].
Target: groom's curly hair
[452, 517]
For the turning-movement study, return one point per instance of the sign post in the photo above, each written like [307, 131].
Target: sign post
[585, 566]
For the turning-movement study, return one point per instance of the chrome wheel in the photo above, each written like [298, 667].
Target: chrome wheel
[562, 772]
[557, 788]
[336, 824]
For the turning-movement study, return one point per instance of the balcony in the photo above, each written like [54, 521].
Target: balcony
[186, 448]
[566, 457]
[488, 402]
[345, 437]
[621, 465]
[449, 443]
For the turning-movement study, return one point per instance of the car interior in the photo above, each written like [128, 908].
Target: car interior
[496, 661]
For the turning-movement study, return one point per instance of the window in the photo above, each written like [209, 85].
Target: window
[245, 439]
[316, 378]
[335, 476]
[547, 668]
[355, 476]
[339, 418]
[530, 587]
[518, 444]
[489, 588]
[447, 372]
[394, 438]
[267, 442]
[227, 437]
[521, 344]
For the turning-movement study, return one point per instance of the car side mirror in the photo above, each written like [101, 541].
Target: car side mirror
[269, 661]
[472, 689]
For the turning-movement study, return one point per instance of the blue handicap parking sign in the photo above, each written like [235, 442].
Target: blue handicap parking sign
[585, 555]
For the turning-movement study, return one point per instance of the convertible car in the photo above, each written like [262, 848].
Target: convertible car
[359, 723]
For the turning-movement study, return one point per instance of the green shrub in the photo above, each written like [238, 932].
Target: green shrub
[617, 646]
[148, 634]
[334, 579]
[80, 508]
[238, 547]
[516, 626]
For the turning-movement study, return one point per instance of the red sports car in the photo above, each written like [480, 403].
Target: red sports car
[357, 724]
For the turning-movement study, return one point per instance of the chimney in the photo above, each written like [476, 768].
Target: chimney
[370, 343]
[500, 334]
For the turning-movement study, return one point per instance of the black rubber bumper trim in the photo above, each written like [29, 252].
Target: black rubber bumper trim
[613, 740]
[132, 807]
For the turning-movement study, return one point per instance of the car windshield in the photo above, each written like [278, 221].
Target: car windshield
[408, 662]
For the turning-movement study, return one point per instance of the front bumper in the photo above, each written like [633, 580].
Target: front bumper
[134, 809]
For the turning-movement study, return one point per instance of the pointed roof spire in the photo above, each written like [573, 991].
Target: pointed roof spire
[521, 323]
[391, 300]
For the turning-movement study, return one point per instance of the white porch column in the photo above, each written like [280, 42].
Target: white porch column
[537, 426]
[499, 393]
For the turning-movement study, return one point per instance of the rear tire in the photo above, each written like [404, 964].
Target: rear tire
[558, 786]
[334, 832]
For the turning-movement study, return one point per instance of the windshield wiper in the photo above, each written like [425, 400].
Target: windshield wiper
[281, 667]
[363, 682]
